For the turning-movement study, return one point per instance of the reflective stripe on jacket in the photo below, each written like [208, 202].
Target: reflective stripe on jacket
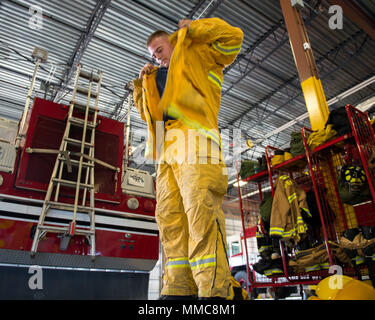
[193, 89]
[286, 219]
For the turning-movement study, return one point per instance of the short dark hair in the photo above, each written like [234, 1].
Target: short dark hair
[156, 34]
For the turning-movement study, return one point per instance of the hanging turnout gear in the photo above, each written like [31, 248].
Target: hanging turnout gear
[296, 144]
[339, 120]
[316, 258]
[265, 207]
[286, 218]
[270, 264]
[368, 233]
[359, 245]
[248, 168]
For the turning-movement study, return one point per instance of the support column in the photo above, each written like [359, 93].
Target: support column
[308, 74]
[316, 104]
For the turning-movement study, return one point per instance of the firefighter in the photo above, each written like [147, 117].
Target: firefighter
[181, 99]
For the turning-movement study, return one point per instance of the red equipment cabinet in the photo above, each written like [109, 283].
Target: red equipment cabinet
[45, 130]
[255, 187]
[317, 170]
[127, 240]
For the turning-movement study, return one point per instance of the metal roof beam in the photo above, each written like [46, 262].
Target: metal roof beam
[328, 73]
[313, 14]
[355, 13]
[213, 8]
[273, 74]
[263, 37]
[83, 42]
[195, 9]
[320, 60]
[161, 14]
[254, 45]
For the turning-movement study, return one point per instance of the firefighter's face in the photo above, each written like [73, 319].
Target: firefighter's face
[161, 49]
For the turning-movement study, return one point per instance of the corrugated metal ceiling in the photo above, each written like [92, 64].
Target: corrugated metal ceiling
[261, 91]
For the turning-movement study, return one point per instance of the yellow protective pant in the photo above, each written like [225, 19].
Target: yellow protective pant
[190, 219]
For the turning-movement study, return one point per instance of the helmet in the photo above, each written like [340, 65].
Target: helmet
[352, 185]
[354, 175]
[338, 287]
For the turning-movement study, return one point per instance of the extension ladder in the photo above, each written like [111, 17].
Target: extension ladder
[67, 158]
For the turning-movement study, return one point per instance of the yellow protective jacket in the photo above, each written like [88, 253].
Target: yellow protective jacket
[286, 218]
[321, 136]
[193, 89]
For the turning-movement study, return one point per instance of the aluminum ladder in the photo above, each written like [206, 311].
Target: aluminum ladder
[67, 158]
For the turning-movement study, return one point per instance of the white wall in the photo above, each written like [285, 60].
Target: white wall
[233, 226]
[154, 285]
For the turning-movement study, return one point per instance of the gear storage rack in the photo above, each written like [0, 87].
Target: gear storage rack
[316, 170]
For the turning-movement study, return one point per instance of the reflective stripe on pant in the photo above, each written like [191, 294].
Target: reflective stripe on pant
[173, 226]
[192, 224]
[197, 232]
[312, 259]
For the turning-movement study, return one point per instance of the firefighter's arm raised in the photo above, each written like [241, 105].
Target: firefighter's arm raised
[225, 39]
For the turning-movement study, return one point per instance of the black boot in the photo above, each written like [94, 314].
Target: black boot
[167, 297]
[369, 251]
[368, 232]
[261, 265]
[211, 298]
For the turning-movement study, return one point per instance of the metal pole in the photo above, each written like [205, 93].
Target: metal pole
[251, 280]
[27, 104]
[126, 162]
[306, 66]
[205, 10]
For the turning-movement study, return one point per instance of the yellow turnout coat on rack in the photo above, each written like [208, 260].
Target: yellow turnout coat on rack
[286, 218]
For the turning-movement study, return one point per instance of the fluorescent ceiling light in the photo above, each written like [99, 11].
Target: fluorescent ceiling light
[242, 183]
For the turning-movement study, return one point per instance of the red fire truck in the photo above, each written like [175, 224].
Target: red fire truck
[127, 241]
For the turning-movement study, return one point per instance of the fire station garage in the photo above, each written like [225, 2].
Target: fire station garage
[187, 150]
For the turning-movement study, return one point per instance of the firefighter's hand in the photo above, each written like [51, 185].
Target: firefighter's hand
[147, 68]
[184, 23]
